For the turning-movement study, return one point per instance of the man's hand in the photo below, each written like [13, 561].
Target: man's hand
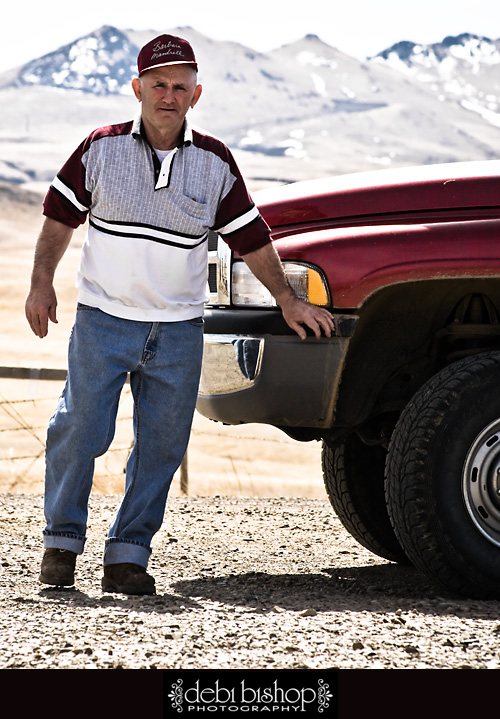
[41, 302]
[40, 307]
[266, 266]
[297, 313]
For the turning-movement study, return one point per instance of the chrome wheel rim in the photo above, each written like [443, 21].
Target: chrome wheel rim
[481, 482]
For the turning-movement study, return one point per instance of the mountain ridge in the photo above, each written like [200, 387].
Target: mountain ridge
[302, 110]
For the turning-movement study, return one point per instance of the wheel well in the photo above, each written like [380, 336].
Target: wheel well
[405, 334]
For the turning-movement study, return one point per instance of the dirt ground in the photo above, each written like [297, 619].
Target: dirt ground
[247, 583]
[249, 460]
[262, 576]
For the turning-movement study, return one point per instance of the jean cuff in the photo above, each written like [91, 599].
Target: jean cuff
[118, 551]
[64, 541]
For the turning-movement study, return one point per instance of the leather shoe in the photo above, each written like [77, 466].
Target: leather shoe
[58, 567]
[127, 578]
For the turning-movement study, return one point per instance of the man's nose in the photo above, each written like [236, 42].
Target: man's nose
[168, 95]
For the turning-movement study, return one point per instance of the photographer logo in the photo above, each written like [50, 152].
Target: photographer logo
[245, 697]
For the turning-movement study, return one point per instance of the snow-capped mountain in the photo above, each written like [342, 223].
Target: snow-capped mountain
[465, 68]
[102, 63]
[446, 56]
[303, 110]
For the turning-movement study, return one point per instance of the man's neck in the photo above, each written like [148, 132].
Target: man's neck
[167, 140]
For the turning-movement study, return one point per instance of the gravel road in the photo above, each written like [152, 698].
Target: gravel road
[242, 583]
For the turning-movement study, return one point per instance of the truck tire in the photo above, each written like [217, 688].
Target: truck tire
[353, 473]
[443, 477]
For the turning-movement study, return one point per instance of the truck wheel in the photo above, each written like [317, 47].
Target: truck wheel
[353, 473]
[443, 477]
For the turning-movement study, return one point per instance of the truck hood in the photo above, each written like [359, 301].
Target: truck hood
[382, 192]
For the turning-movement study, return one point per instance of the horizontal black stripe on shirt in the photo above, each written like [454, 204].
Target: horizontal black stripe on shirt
[146, 226]
[136, 236]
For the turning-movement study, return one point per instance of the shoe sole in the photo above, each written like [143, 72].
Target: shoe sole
[68, 582]
[108, 585]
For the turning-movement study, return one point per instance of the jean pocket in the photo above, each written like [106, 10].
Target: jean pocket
[197, 322]
[81, 306]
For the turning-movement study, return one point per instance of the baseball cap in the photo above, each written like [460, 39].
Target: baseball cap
[165, 50]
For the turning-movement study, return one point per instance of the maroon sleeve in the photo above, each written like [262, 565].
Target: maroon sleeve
[67, 199]
[237, 208]
[252, 236]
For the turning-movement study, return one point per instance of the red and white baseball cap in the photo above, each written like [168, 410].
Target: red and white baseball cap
[165, 50]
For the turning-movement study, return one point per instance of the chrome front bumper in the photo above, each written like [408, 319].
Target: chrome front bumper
[266, 377]
[230, 363]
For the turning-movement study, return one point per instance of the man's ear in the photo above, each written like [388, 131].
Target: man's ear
[136, 87]
[196, 95]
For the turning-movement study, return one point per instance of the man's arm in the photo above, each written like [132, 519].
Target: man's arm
[266, 266]
[41, 302]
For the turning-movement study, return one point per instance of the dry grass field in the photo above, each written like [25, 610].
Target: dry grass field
[250, 460]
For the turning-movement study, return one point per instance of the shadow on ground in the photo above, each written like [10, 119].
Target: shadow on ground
[382, 588]
[385, 588]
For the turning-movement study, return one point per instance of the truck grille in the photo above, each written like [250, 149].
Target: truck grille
[212, 278]
[213, 238]
[219, 267]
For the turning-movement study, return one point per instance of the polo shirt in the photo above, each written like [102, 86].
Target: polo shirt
[145, 255]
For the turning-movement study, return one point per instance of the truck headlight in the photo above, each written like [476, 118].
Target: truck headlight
[307, 282]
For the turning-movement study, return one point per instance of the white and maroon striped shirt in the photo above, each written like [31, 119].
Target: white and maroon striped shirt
[145, 253]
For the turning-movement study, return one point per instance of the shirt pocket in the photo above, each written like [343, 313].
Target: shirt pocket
[191, 208]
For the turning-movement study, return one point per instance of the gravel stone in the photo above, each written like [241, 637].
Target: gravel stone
[300, 594]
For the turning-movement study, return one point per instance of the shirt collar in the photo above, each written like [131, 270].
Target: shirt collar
[139, 132]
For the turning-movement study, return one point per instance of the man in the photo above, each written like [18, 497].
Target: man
[151, 189]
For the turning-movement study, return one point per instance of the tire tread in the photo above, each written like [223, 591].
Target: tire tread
[405, 473]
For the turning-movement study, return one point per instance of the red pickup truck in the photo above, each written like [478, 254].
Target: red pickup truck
[406, 396]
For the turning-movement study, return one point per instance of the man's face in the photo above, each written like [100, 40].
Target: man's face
[166, 94]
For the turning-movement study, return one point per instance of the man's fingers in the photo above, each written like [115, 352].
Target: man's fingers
[38, 319]
[53, 314]
[319, 319]
[298, 329]
[316, 318]
[327, 323]
[38, 324]
[41, 306]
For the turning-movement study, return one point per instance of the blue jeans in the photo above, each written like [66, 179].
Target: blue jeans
[164, 362]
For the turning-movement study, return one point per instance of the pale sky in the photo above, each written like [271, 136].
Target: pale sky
[357, 27]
